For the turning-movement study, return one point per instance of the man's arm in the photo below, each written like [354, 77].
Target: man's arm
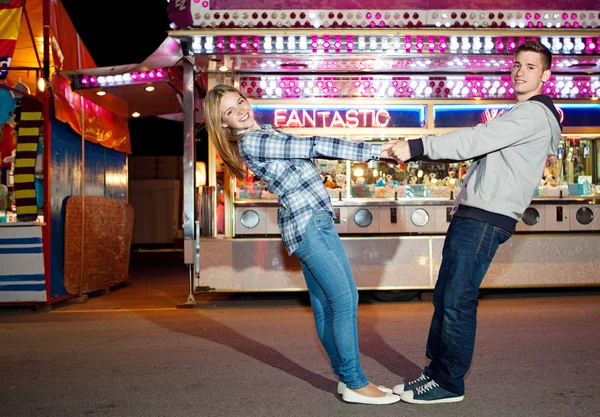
[464, 144]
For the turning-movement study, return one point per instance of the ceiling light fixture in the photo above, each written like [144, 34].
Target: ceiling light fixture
[150, 88]
[223, 68]
[100, 93]
[135, 114]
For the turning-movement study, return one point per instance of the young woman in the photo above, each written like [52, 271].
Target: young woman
[285, 162]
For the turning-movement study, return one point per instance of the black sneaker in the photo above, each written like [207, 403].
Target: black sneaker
[420, 381]
[430, 393]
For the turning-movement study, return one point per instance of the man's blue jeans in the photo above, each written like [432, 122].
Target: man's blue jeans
[468, 250]
[333, 296]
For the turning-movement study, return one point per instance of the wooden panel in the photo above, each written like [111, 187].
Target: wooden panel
[102, 228]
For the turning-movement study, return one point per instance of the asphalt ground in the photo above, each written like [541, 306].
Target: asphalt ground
[132, 352]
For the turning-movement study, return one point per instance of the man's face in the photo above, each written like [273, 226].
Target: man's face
[528, 75]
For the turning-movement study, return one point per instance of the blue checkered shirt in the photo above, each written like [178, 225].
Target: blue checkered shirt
[285, 162]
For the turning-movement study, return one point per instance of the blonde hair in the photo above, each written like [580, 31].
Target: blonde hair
[223, 138]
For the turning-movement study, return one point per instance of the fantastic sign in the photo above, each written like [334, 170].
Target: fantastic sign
[328, 118]
[345, 117]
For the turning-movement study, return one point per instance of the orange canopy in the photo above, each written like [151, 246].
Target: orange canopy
[68, 53]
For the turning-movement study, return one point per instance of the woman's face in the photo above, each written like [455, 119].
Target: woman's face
[236, 112]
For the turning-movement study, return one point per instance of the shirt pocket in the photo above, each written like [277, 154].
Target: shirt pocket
[284, 177]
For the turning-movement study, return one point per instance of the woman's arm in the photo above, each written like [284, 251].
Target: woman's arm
[266, 145]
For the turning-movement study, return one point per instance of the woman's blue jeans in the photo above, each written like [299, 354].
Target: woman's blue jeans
[333, 296]
[468, 250]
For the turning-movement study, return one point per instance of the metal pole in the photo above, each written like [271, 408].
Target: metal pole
[189, 165]
[46, 230]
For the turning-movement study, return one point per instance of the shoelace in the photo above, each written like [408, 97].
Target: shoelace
[427, 387]
[423, 377]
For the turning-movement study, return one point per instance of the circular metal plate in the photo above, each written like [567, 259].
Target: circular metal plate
[584, 215]
[363, 218]
[531, 216]
[250, 219]
[419, 217]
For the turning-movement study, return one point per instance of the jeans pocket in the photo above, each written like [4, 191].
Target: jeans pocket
[499, 236]
[303, 248]
[323, 220]
[503, 234]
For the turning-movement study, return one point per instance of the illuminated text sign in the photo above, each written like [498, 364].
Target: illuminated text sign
[345, 117]
[464, 115]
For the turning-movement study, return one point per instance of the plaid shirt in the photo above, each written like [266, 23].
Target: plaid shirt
[285, 162]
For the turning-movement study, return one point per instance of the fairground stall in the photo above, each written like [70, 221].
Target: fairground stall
[55, 149]
[372, 72]
[378, 74]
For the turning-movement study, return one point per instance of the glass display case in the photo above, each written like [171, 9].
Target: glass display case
[573, 171]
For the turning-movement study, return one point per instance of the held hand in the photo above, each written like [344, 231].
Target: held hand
[400, 151]
[385, 150]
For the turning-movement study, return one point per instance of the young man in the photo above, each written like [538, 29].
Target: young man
[509, 154]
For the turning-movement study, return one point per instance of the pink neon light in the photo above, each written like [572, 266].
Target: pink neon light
[142, 75]
[204, 4]
[443, 44]
[85, 80]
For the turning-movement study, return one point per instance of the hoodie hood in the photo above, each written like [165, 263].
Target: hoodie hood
[547, 101]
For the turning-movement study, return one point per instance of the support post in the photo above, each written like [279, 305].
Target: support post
[189, 167]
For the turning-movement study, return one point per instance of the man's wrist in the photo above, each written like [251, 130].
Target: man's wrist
[416, 147]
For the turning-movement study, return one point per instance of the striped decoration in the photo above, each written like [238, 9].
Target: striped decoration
[22, 259]
[27, 143]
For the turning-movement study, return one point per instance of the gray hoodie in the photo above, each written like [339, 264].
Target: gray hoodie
[509, 155]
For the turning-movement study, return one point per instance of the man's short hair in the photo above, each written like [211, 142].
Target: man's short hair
[537, 46]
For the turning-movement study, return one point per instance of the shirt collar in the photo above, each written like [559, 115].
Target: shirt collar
[262, 127]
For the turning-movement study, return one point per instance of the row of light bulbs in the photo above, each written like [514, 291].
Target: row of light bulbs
[422, 87]
[386, 44]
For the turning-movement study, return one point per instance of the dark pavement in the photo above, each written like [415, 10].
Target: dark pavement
[132, 353]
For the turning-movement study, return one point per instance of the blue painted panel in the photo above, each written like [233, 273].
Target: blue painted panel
[66, 179]
[105, 175]
[116, 176]
[94, 169]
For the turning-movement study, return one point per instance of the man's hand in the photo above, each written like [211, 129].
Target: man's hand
[398, 151]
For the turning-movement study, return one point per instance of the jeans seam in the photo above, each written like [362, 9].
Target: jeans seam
[482, 238]
[491, 244]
